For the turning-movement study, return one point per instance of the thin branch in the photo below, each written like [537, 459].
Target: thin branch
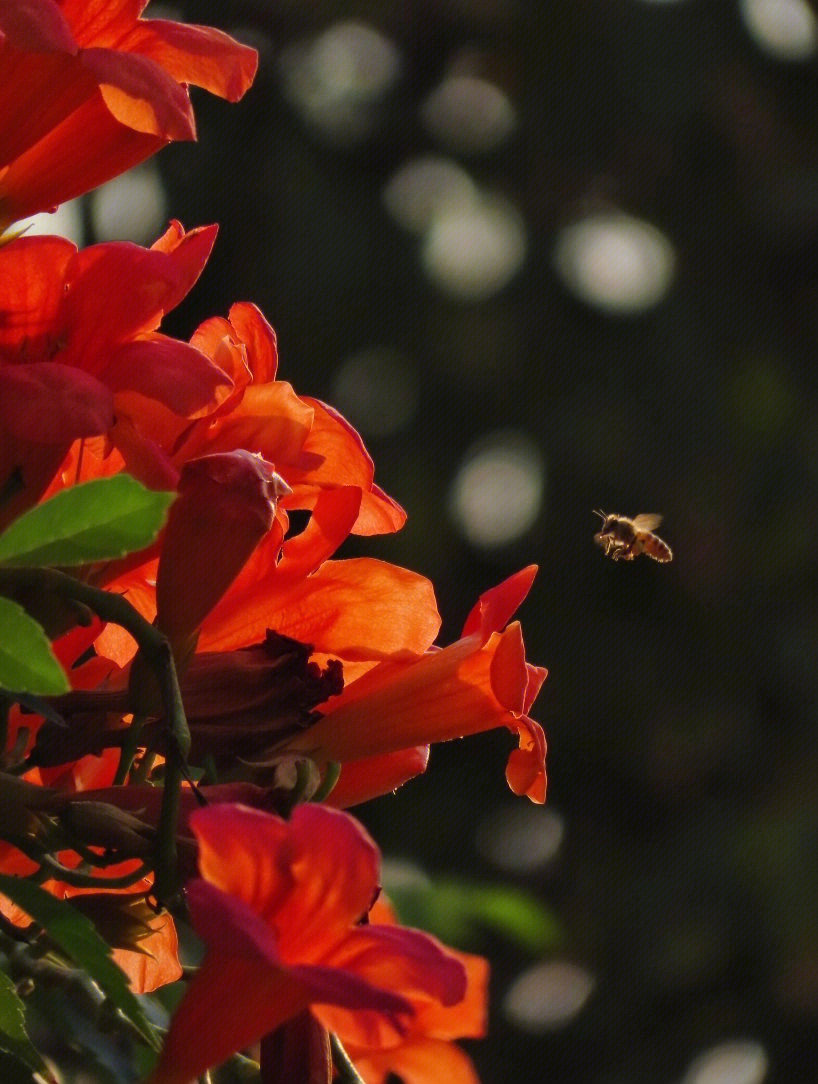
[347, 1073]
[157, 653]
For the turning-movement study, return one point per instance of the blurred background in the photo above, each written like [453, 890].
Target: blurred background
[552, 257]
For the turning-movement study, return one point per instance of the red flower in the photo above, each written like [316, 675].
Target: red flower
[78, 344]
[278, 907]
[480, 682]
[320, 457]
[88, 89]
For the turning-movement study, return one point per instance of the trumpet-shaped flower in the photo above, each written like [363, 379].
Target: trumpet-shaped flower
[480, 682]
[279, 906]
[89, 89]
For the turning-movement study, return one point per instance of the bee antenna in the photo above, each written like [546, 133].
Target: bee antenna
[600, 514]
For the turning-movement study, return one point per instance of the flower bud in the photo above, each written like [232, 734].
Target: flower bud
[226, 505]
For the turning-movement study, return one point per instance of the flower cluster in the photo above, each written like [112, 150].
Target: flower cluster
[234, 686]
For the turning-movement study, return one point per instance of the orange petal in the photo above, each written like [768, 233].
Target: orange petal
[157, 963]
[335, 456]
[417, 1061]
[362, 780]
[358, 609]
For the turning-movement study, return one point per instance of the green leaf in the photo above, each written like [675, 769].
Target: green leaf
[14, 1039]
[27, 663]
[13, 1070]
[79, 940]
[95, 521]
[457, 911]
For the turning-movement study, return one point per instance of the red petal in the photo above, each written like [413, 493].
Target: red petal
[74, 156]
[259, 338]
[101, 22]
[360, 609]
[36, 25]
[140, 95]
[232, 1002]
[509, 676]
[200, 55]
[270, 420]
[157, 963]
[495, 607]
[313, 876]
[225, 507]
[32, 273]
[525, 771]
[48, 403]
[161, 368]
[396, 959]
[119, 290]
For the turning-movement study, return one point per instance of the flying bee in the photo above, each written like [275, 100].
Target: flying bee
[622, 538]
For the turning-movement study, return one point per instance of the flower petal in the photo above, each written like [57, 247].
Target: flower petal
[417, 1061]
[49, 403]
[226, 505]
[334, 454]
[495, 608]
[200, 55]
[32, 288]
[140, 95]
[183, 378]
[317, 874]
[362, 780]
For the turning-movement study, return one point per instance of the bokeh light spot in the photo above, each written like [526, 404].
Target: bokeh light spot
[786, 29]
[66, 221]
[548, 995]
[377, 390]
[468, 114]
[426, 187]
[131, 207]
[739, 1061]
[337, 79]
[472, 252]
[497, 492]
[615, 262]
[520, 839]
[401, 874]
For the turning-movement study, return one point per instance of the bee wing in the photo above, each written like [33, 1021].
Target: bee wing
[646, 522]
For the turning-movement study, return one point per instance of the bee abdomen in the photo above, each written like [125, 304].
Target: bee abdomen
[657, 549]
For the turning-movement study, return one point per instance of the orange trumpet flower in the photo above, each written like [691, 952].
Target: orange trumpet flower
[279, 907]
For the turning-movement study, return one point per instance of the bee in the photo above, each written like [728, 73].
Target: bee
[622, 538]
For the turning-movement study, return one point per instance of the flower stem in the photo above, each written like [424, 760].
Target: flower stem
[130, 744]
